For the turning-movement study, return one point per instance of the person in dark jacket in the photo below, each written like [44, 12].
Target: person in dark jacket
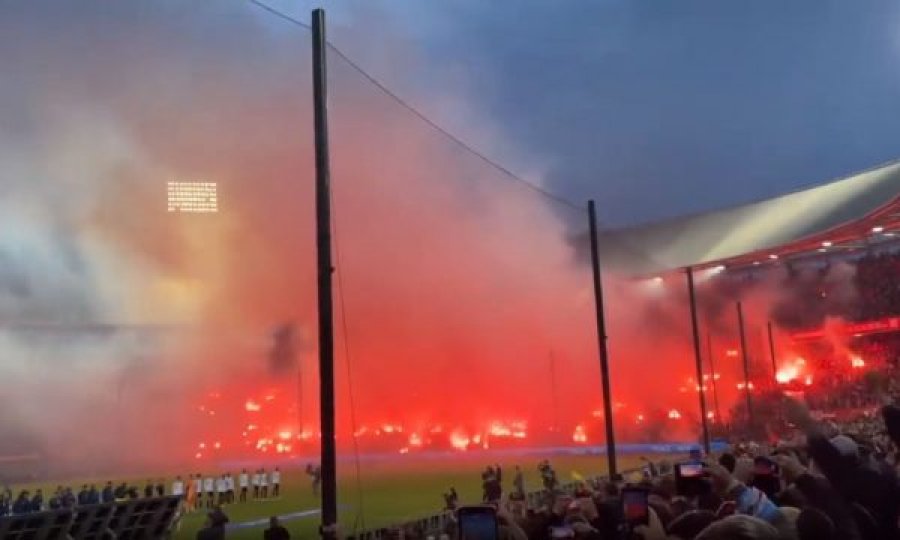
[5, 503]
[93, 495]
[214, 528]
[37, 502]
[22, 504]
[276, 531]
[108, 495]
[856, 478]
[83, 496]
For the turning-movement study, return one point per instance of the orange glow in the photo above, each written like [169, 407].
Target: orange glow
[459, 440]
[499, 430]
[674, 414]
[252, 406]
[579, 436]
[787, 374]
[415, 439]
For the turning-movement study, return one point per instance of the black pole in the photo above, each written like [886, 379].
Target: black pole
[698, 359]
[325, 269]
[554, 395]
[712, 376]
[740, 314]
[299, 397]
[601, 337]
[772, 352]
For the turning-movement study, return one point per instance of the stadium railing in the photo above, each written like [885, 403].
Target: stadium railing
[143, 518]
[91, 522]
[51, 525]
[138, 519]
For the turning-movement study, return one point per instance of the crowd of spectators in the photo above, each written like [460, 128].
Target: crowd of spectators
[821, 480]
[877, 285]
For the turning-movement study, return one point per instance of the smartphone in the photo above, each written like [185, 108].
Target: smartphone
[562, 532]
[690, 469]
[634, 505]
[477, 523]
[689, 479]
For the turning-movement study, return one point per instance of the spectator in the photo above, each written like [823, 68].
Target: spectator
[740, 528]
[276, 531]
[22, 504]
[108, 495]
[37, 501]
[214, 527]
[813, 524]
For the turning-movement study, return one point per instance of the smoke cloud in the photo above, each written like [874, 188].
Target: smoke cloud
[460, 299]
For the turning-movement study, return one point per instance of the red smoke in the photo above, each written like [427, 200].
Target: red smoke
[456, 285]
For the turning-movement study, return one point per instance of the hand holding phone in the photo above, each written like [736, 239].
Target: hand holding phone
[690, 479]
[635, 506]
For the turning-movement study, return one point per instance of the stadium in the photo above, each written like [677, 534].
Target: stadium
[217, 325]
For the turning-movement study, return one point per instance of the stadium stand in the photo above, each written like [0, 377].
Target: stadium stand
[141, 519]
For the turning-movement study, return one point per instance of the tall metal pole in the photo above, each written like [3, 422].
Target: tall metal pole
[601, 337]
[554, 395]
[712, 375]
[323, 251]
[299, 397]
[740, 314]
[772, 351]
[698, 359]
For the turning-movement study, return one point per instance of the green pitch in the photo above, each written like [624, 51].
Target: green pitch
[393, 492]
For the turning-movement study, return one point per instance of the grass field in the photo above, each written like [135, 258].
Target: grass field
[391, 491]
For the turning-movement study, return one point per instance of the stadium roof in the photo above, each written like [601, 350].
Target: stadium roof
[846, 214]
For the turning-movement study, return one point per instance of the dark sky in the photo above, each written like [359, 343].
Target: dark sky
[657, 107]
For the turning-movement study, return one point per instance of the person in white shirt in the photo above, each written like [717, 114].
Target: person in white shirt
[263, 484]
[178, 487]
[244, 481]
[209, 486]
[276, 482]
[256, 485]
[222, 489]
[229, 485]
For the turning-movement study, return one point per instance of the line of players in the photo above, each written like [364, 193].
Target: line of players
[209, 492]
